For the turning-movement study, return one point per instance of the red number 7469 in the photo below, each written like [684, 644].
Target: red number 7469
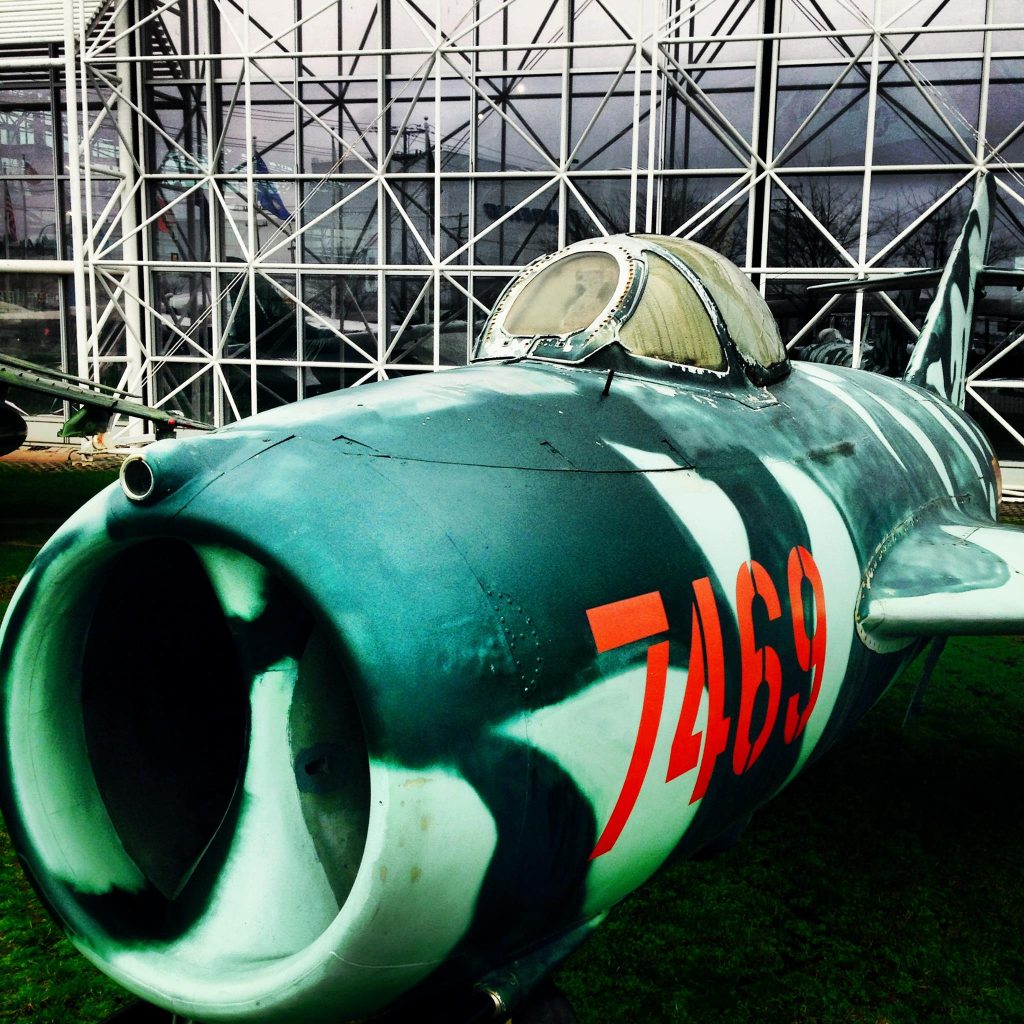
[639, 618]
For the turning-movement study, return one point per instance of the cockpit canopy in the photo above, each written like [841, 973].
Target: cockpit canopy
[659, 297]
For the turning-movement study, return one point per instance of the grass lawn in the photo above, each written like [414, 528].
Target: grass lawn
[883, 887]
[43, 979]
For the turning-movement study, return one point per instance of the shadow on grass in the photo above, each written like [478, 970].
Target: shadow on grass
[884, 886]
[44, 979]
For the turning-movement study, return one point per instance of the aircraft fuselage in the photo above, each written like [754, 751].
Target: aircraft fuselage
[574, 622]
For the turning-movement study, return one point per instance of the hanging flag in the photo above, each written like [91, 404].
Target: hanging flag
[10, 224]
[268, 198]
[29, 169]
[165, 219]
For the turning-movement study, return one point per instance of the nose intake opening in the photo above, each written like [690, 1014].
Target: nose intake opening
[165, 708]
[221, 762]
[187, 775]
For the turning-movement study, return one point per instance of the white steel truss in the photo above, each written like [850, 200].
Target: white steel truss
[283, 198]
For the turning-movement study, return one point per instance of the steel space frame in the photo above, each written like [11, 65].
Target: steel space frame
[609, 157]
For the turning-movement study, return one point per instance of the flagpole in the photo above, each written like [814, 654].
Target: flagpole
[8, 221]
[255, 196]
[24, 214]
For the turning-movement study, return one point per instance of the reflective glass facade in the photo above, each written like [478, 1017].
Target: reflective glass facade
[275, 199]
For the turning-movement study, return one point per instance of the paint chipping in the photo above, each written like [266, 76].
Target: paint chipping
[825, 456]
[353, 441]
[554, 451]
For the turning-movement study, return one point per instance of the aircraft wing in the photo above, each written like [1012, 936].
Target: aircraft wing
[62, 386]
[916, 279]
[884, 283]
[946, 580]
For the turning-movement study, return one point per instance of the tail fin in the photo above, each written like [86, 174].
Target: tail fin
[940, 356]
[939, 361]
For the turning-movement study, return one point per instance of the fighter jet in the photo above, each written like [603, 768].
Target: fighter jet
[466, 657]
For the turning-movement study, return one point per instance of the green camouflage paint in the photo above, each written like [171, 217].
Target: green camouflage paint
[506, 638]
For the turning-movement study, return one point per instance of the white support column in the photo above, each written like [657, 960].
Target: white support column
[652, 117]
[435, 184]
[565, 125]
[82, 153]
[981, 141]
[869, 155]
[214, 126]
[131, 252]
[251, 229]
[75, 190]
[383, 148]
[638, 63]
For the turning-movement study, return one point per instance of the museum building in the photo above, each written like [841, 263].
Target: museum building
[222, 206]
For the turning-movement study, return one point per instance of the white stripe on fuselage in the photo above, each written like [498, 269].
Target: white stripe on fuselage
[957, 435]
[972, 434]
[589, 733]
[704, 509]
[830, 543]
[924, 442]
[830, 382]
[970, 429]
[941, 411]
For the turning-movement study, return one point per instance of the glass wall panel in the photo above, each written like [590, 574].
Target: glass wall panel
[277, 385]
[28, 228]
[30, 325]
[899, 201]
[340, 321]
[410, 219]
[1005, 125]
[180, 135]
[454, 338]
[705, 126]
[180, 221]
[821, 115]
[694, 207]
[455, 220]
[1010, 39]
[182, 298]
[237, 389]
[1006, 247]
[846, 17]
[485, 290]
[602, 126]
[516, 221]
[26, 135]
[908, 127]
[343, 222]
[602, 206]
[519, 122]
[815, 219]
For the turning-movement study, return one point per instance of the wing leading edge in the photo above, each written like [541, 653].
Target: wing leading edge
[945, 579]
